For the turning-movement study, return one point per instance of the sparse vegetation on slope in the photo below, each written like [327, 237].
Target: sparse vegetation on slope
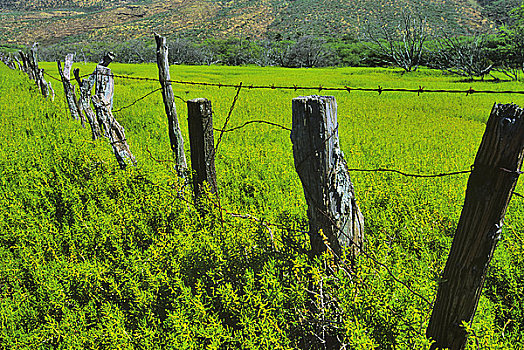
[199, 19]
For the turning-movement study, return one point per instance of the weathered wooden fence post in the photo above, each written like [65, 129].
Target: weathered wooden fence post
[69, 89]
[175, 135]
[37, 74]
[86, 85]
[17, 60]
[322, 169]
[103, 101]
[201, 142]
[490, 185]
[25, 65]
[8, 60]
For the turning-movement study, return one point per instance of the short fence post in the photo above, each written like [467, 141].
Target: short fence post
[490, 185]
[103, 100]
[201, 142]
[175, 135]
[69, 89]
[320, 164]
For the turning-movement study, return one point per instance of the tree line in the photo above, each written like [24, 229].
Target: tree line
[407, 41]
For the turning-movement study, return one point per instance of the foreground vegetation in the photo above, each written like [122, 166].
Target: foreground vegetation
[95, 257]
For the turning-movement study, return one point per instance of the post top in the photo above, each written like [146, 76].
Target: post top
[198, 100]
[313, 98]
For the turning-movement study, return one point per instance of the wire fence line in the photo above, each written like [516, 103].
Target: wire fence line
[295, 87]
[320, 88]
[267, 224]
[240, 86]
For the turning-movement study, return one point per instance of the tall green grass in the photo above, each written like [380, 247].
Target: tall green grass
[94, 257]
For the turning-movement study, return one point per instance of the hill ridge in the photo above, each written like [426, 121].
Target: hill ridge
[48, 21]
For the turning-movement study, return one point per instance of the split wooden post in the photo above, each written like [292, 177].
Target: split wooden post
[319, 162]
[490, 186]
[37, 74]
[103, 100]
[201, 142]
[8, 60]
[175, 134]
[69, 89]
[19, 64]
[25, 65]
[86, 85]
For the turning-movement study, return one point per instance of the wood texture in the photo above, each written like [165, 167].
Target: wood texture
[201, 142]
[69, 89]
[322, 169]
[490, 186]
[84, 101]
[175, 135]
[102, 100]
[7, 60]
[37, 74]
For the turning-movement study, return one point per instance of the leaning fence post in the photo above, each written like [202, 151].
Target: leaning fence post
[69, 89]
[490, 186]
[103, 100]
[320, 164]
[25, 65]
[86, 85]
[201, 142]
[175, 134]
[38, 73]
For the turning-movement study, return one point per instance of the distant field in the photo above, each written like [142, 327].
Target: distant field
[94, 257]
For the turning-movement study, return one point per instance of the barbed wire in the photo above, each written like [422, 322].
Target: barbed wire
[137, 100]
[518, 195]
[295, 87]
[53, 77]
[379, 170]
[227, 119]
[254, 122]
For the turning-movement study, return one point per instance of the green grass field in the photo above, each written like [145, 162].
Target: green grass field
[95, 257]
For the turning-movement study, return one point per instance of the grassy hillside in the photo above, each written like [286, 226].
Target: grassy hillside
[50, 21]
[95, 257]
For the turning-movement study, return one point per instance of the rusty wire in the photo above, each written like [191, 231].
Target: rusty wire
[379, 89]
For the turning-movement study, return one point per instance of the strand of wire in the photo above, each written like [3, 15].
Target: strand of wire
[411, 175]
[295, 87]
[253, 122]
[137, 100]
[227, 118]
[53, 77]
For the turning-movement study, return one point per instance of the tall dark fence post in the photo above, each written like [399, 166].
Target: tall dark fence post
[175, 135]
[490, 185]
[322, 169]
[201, 141]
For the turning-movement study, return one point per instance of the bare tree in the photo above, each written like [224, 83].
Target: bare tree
[400, 41]
[466, 55]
